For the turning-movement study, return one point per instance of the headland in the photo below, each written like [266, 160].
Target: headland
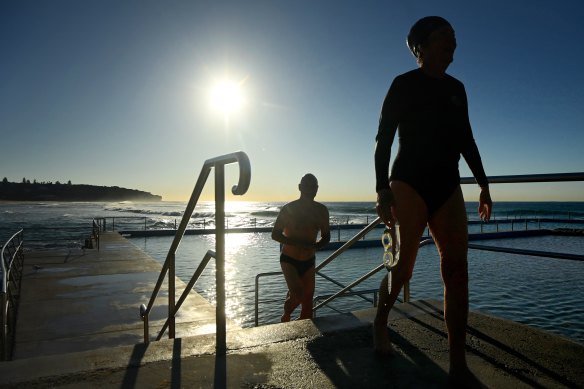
[26, 191]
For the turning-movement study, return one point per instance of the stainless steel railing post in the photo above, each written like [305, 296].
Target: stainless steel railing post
[171, 295]
[256, 303]
[144, 316]
[169, 264]
[4, 331]
[11, 268]
[221, 345]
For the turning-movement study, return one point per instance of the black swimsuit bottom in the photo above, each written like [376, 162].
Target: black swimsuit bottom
[300, 266]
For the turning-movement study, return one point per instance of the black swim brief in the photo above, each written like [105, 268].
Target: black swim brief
[300, 266]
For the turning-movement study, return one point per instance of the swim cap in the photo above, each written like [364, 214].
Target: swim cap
[309, 180]
[422, 29]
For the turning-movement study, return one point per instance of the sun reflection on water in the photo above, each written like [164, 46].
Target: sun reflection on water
[236, 246]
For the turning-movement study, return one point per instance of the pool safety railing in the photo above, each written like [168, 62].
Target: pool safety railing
[334, 255]
[347, 290]
[12, 262]
[97, 226]
[241, 188]
[359, 293]
[51, 237]
[146, 226]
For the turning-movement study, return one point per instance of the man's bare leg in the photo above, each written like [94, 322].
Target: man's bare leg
[289, 307]
[295, 290]
[308, 284]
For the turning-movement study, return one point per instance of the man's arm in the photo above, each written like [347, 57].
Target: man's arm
[325, 230]
[278, 231]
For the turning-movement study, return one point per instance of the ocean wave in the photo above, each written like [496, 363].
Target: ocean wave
[265, 213]
[162, 225]
[155, 212]
[145, 211]
[349, 209]
[203, 215]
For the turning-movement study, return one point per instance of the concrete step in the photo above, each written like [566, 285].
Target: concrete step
[327, 352]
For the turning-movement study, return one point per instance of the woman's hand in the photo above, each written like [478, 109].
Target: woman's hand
[485, 204]
[384, 204]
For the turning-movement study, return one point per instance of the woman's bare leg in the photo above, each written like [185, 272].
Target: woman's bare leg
[450, 231]
[410, 211]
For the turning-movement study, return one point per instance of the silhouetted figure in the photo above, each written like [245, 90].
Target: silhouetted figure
[297, 227]
[428, 109]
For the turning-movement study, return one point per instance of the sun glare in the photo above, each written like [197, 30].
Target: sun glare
[226, 97]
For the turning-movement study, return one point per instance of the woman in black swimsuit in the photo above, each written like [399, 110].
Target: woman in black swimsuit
[428, 109]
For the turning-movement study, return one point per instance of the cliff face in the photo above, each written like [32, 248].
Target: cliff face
[66, 192]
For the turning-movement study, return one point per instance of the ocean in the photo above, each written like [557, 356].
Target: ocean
[541, 292]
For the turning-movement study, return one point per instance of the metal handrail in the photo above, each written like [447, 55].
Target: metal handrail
[208, 255]
[358, 293]
[61, 236]
[337, 283]
[367, 275]
[324, 263]
[11, 263]
[279, 273]
[328, 260]
[349, 243]
[96, 229]
[555, 177]
[169, 264]
[526, 178]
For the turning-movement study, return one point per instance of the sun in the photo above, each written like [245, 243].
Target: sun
[226, 97]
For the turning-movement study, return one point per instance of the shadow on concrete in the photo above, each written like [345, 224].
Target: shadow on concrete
[220, 371]
[176, 365]
[348, 360]
[131, 374]
[495, 361]
[519, 374]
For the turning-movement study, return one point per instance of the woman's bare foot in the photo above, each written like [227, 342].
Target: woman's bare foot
[381, 343]
[285, 318]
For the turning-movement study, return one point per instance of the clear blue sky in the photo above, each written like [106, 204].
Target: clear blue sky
[117, 93]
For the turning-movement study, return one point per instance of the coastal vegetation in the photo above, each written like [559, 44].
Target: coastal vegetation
[49, 191]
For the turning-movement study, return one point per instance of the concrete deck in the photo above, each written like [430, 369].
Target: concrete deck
[327, 352]
[85, 299]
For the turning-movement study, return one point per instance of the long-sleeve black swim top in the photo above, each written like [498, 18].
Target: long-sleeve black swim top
[431, 118]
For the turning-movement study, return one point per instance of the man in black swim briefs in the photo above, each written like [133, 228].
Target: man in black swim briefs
[428, 109]
[300, 266]
[296, 228]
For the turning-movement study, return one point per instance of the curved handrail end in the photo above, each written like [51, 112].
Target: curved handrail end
[244, 174]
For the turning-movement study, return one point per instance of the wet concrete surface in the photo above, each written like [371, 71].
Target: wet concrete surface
[330, 352]
[104, 349]
[76, 300]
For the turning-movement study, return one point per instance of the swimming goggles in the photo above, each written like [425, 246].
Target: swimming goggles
[390, 241]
